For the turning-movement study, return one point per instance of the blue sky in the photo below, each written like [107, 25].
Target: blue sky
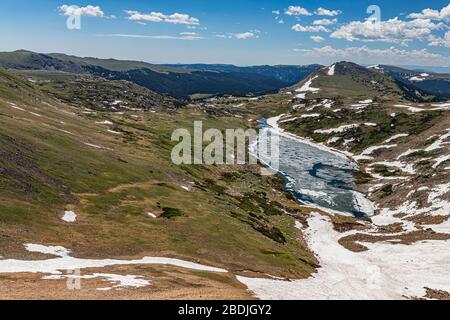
[246, 32]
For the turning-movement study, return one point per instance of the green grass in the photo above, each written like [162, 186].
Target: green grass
[47, 170]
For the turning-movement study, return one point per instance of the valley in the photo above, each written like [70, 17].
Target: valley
[87, 182]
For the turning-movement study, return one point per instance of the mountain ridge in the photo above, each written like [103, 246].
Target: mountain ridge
[180, 82]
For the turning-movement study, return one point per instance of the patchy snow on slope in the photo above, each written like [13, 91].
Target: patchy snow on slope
[14, 106]
[307, 88]
[331, 70]
[333, 140]
[97, 146]
[69, 216]
[385, 271]
[152, 215]
[440, 228]
[106, 122]
[395, 137]
[439, 142]
[288, 120]
[405, 167]
[440, 160]
[337, 130]
[408, 152]
[410, 108]
[310, 115]
[327, 103]
[119, 281]
[63, 261]
[365, 155]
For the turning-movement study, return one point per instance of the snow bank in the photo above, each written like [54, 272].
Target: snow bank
[63, 261]
[385, 271]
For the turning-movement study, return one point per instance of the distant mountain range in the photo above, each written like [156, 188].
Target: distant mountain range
[433, 83]
[185, 81]
[181, 81]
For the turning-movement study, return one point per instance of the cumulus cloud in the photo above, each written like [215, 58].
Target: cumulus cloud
[438, 41]
[443, 14]
[245, 35]
[316, 28]
[326, 12]
[153, 37]
[297, 11]
[325, 22]
[277, 12]
[365, 54]
[392, 30]
[317, 38]
[175, 18]
[88, 11]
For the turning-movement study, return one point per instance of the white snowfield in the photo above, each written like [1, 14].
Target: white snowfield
[54, 267]
[385, 271]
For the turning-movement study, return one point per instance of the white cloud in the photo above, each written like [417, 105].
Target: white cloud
[245, 35]
[176, 18]
[365, 54]
[326, 12]
[438, 41]
[392, 31]
[300, 28]
[443, 14]
[155, 37]
[317, 38]
[325, 22]
[189, 33]
[277, 12]
[88, 11]
[253, 34]
[297, 11]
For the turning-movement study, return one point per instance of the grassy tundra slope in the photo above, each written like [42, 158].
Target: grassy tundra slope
[112, 169]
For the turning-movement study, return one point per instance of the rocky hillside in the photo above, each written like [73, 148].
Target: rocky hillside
[348, 81]
[96, 93]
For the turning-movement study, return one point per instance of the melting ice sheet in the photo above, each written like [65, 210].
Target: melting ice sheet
[316, 176]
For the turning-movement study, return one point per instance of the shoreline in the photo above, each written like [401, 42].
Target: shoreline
[368, 205]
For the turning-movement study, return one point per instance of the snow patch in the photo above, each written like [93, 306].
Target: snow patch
[337, 130]
[69, 216]
[331, 70]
